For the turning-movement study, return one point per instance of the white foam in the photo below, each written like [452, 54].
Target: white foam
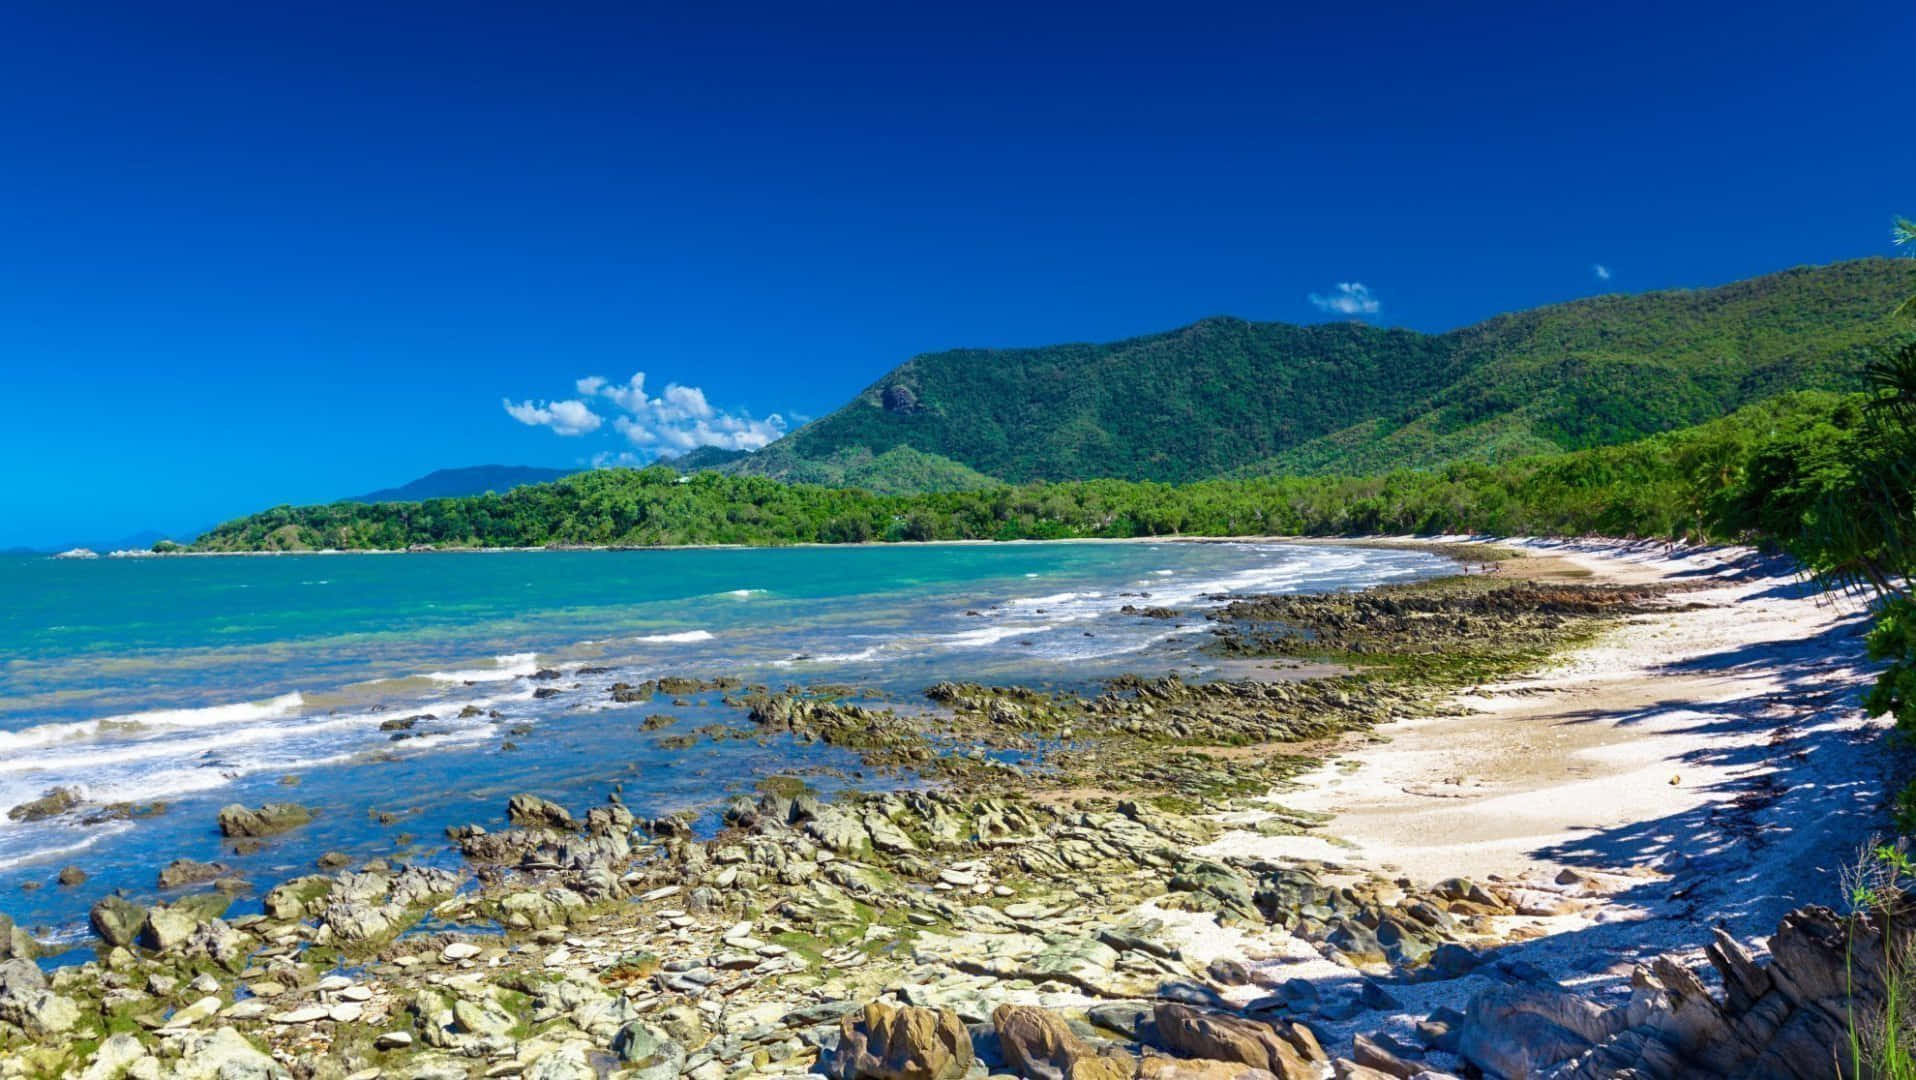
[157, 721]
[682, 637]
[859, 657]
[990, 635]
[1055, 599]
[505, 668]
[92, 836]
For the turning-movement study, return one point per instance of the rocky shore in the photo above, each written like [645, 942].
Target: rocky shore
[1071, 887]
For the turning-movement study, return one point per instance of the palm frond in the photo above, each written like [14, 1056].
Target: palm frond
[1891, 378]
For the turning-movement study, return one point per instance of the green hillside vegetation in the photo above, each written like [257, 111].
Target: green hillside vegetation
[1696, 482]
[1226, 396]
[899, 470]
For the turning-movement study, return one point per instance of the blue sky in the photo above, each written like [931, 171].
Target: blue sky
[261, 253]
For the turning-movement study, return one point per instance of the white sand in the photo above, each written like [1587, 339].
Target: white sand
[1717, 757]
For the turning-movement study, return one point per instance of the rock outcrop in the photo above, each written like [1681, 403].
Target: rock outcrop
[1038, 1045]
[1787, 1018]
[1289, 1051]
[530, 811]
[51, 803]
[272, 818]
[885, 1042]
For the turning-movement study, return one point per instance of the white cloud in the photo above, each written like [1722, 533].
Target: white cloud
[688, 399]
[629, 396]
[1602, 271]
[678, 420]
[563, 417]
[674, 437]
[1351, 298]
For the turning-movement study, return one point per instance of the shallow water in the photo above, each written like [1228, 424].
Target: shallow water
[204, 681]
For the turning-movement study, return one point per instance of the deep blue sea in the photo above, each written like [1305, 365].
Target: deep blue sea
[199, 682]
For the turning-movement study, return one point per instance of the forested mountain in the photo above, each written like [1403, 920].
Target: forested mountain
[1686, 482]
[1620, 414]
[472, 480]
[1225, 395]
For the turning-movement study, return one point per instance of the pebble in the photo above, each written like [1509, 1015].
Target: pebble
[392, 1040]
[356, 993]
[459, 950]
[333, 984]
[303, 1015]
[346, 1012]
[251, 1009]
[194, 1013]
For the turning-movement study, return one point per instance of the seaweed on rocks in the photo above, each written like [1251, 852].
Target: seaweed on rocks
[1446, 630]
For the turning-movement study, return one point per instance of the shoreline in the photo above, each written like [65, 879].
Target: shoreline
[1353, 540]
[1703, 766]
[1160, 878]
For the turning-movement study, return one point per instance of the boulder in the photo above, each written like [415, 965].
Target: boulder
[530, 811]
[116, 921]
[214, 940]
[1517, 1031]
[482, 1017]
[1787, 1018]
[1127, 1018]
[1159, 1067]
[15, 941]
[183, 872]
[356, 920]
[272, 818]
[1383, 1057]
[225, 1054]
[120, 1055]
[885, 1042]
[567, 1062]
[1038, 1045]
[649, 1052]
[26, 1003]
[53, 802]
[293, 899]
[1221, 1037]
[838, 830]
[168, 926]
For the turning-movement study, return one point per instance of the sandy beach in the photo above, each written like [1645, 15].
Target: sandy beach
[1706, 766]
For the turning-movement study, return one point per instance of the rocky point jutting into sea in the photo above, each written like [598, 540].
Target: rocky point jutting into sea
[1568, 814]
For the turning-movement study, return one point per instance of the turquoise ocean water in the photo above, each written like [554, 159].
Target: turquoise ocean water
[198, 682]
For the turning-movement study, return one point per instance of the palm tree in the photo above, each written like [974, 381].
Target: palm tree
[1904, 232]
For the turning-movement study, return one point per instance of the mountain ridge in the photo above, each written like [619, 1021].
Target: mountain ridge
[463, 480]
[1228, 396]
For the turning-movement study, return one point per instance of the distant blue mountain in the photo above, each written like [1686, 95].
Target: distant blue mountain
[472, 480]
